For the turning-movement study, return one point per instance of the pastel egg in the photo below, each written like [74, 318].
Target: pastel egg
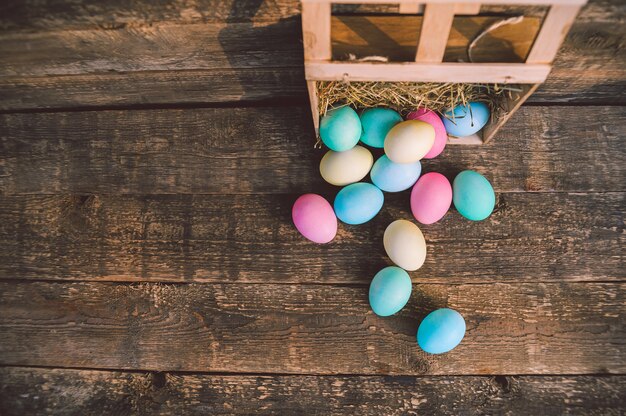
[358, 203]
[466, 120]
[409, 141]
[441, 137]
[473, 195]
[343, 168]
[390, 291]
[376, 123]
[405, 244]
[441, 331]
[431, 198]
[394, 177]
[340, 129]
[314, 218]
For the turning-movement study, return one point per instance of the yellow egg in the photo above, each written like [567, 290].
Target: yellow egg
[343, 168]
[409, 141]
[405, 244]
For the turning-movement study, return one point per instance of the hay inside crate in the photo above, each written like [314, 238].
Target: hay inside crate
[427, 61]
[405, 97]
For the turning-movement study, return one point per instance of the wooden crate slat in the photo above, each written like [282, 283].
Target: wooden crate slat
[434, 33]
[467, 8]
[412, 7]
[504, 73]
[553, 31]
[316, 30]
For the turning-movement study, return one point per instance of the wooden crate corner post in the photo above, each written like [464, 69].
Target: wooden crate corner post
[428, 66]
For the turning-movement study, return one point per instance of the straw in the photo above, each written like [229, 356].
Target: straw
[405, 97]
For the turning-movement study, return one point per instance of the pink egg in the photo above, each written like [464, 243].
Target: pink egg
[314, 217]
[441, 137]
[431, 198]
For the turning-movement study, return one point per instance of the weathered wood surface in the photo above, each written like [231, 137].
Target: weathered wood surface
[91, 392]
[60, 66]
[270, 150]
[538, 328]
[531, 237]
[33, 15]
[397, 37]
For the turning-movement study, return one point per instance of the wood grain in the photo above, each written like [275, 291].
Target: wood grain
[39, 67]
[575, 328]
[33, 15]
[270, 150]
[85, 392]
[531, 237]
[152, 48]
[396, 37]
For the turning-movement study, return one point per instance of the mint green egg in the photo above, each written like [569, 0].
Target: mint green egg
[473, 195]
[390, 291]
[376, 123]
[340, 129]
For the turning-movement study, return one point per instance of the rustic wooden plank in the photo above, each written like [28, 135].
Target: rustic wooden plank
[151, 48]
[149, 88]
[588, 69]
[537, 328]
[270, 150]
[92, 392]
[32, 15]
[531, 237]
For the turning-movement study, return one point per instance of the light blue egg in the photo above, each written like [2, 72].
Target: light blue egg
[473, 195]
[441, 331]
[467, 120]
[358, 203]
[390, 290]
[376, 123]
[340, 129]
[394, 177]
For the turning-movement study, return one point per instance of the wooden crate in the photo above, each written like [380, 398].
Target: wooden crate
[428, 63]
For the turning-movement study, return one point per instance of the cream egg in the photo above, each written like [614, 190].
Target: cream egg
[409, 141]
[405, 244]
[344, 168]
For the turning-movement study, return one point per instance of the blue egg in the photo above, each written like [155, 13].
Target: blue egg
[390, 290]
[441, 331]
[358, 203]
[473, 195]
[466, 120]
[376, 123]
[394, 177]
[340, 129]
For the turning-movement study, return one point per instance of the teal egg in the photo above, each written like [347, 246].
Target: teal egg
[394, 177]
[473, 195]
[340, 129]
[358, 203]
[390, 290]
[466, 120]
[441, 331]
[376, 123]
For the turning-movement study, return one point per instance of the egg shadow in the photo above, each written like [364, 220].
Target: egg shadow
[419, 306]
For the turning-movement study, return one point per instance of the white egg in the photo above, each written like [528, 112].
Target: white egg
[405, 244]
[344, 168]
[409, 141]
